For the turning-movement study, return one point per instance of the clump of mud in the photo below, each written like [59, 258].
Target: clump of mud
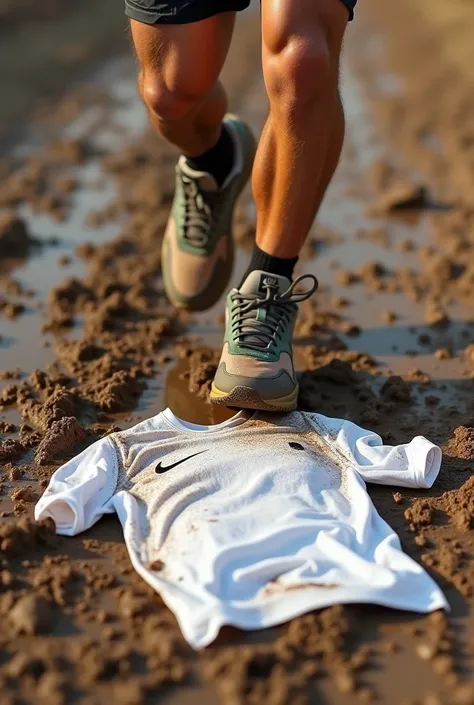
[310, 647]
[396, 389]
[15, 240]
[462, 444]
[61, 439]
[398, 196]
[57, 405]
[202, 369]
[31, 615]
[25, 536]
[10, 449]
[41, 181]
[446, 556]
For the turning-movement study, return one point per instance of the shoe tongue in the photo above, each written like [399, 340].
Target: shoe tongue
[252, 332]
[205, 181]
[255, 283]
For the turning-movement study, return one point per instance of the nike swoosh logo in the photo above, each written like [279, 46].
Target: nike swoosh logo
[164, 468]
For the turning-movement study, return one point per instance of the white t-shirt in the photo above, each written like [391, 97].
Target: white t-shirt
[253, 521]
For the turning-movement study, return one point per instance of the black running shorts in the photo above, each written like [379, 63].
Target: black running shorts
[184, 11]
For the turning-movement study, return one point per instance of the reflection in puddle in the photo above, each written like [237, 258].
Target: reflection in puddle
[191, 407]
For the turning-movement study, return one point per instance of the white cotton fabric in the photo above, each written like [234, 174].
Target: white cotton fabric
[259, 519]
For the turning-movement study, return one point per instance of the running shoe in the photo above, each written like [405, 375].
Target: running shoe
[256, 367]
[198, 251]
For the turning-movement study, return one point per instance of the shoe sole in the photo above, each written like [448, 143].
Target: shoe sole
[207, 299]
[248, 398]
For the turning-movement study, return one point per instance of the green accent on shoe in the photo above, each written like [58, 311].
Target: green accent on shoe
[256, 367]
[198, 249]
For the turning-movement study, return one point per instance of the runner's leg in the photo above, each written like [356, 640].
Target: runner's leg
[302, 139]
[296, 158]
[180, 67]
[178, 81]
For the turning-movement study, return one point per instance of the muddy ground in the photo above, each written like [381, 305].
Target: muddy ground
[88, 343]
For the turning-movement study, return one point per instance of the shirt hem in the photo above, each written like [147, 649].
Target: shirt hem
[294, 605]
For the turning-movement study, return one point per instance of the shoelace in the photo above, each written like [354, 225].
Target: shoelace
[262, 335]
[200, 212]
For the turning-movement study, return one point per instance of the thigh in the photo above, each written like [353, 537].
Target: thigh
[308, 21]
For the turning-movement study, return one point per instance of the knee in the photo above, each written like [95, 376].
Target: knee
[298, 70]
[169, 103]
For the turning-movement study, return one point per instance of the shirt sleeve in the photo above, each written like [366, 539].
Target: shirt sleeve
[78, 493]
[414, 464]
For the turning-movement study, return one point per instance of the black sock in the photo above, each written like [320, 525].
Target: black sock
[217, 161]
[267, 263]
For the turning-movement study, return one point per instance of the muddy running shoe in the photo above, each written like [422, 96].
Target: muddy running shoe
[256, 367]
[198, 251]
